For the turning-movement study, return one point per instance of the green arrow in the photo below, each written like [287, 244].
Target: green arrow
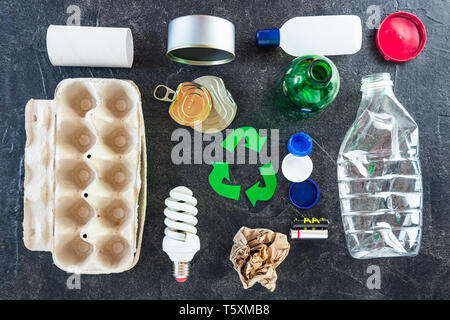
[217, 175]
[251, 136]
[256, 193]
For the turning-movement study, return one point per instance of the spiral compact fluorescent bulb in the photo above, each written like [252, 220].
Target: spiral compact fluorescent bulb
[181, 242]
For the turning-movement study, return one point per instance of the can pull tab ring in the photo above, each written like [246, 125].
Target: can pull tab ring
[169, 96]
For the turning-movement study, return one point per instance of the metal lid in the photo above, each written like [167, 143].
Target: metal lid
[201, 40]
[223, 106]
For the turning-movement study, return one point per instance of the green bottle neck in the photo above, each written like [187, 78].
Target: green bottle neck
[320, 73]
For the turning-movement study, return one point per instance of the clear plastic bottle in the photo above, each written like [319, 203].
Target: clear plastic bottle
[321, 35]
[379, 176]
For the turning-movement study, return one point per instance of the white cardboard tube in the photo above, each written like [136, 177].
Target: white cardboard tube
[75, 46]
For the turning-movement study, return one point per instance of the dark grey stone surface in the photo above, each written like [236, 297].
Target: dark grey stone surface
[312, 270]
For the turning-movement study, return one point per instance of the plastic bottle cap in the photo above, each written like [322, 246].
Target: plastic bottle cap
[300, 144]
[401, 36]
[181, 279]
[268, 38]
[304, 195]
[296, 169]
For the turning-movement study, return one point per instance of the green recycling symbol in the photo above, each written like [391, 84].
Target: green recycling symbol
[221, 171]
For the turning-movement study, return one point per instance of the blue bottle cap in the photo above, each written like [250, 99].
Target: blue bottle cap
[268, 38]
[304, 195]
[300, 144]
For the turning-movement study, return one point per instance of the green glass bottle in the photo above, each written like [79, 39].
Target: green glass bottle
[309, 85]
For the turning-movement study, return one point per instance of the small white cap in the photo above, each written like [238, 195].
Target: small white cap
[296, 169]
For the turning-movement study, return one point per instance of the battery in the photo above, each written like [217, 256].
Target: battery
[309, 234]
[309, 223]
[309, 228]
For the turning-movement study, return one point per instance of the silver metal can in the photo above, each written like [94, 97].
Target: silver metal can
[201, 40]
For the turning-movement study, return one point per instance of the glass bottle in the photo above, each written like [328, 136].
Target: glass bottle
[310, 84]
[379, 176]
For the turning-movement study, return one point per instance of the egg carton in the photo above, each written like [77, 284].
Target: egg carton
[85, 176]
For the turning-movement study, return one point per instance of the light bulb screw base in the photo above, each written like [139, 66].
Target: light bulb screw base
[181, 271]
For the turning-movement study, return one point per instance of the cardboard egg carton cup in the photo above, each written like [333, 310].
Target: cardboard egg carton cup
[85, 176]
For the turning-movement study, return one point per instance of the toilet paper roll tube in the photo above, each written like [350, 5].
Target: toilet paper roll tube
[76, 46]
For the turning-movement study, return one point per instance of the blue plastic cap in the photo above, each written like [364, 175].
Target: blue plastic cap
[304, 195]
[300, 144]
[268, 38]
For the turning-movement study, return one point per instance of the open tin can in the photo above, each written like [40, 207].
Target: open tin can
[201, 40]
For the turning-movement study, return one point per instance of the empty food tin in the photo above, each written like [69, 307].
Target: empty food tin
[201, 40]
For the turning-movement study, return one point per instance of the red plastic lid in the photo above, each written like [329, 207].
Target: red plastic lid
[181, 279]
[401, 36]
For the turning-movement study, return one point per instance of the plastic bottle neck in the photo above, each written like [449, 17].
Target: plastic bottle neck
[377, 84]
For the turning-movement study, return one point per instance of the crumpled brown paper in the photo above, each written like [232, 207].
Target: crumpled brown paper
[256, 253]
